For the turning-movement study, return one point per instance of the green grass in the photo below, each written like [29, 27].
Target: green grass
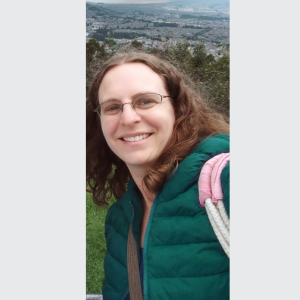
[95, 246]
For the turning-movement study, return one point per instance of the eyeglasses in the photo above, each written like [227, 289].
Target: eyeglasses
[140, 103]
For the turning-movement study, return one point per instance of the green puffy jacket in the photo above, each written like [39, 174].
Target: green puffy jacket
[183, 258]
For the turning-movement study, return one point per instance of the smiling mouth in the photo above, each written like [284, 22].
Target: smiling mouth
[136, 138]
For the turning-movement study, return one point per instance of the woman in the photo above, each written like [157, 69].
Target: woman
[147, 149]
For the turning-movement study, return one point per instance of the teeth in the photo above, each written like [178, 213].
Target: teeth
[136, 138]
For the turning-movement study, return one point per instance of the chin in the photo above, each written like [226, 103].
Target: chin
[138, 163]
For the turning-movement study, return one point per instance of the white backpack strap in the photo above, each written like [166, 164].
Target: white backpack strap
[211, 196]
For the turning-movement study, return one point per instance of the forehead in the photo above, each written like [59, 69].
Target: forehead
[129, 79]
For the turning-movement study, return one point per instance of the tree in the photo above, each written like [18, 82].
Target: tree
[217, 82]
[95, 54]
[199, 57]
[110, 42]
[92, 46]
[210, 59]
[136, 44]
[180, 56]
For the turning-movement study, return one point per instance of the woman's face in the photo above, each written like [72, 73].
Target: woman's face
[151, 128]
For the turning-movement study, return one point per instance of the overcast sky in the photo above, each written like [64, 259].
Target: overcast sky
[129, 1]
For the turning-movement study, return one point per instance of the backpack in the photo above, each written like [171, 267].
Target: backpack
[211, 196]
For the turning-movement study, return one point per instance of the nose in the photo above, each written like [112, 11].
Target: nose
[129, 115]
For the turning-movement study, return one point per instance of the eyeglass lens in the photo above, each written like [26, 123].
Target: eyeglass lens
[140, 103]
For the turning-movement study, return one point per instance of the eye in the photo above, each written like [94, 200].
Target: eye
[111, 108]
[145, 101]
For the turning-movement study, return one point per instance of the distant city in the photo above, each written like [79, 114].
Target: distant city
[161, 25]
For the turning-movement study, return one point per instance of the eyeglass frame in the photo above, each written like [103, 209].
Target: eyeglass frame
[98, 109]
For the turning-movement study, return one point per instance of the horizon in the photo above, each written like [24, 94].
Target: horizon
[129, 1]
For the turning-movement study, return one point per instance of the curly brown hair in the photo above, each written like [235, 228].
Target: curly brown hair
[106, 173]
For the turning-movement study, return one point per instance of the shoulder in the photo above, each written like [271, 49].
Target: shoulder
[118, 209]
[214, 145]
[206, 148]
[188, 170]
[120, 214]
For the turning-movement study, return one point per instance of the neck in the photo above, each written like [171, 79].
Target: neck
[138, 175]
[148, 197]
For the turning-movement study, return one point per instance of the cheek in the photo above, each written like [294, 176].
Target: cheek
[170, 121]
[171, 128]
[108, 131]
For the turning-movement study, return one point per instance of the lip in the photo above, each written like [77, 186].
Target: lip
[134, 134]
[130, 135]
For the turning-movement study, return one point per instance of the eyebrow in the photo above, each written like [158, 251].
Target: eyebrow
[134, 96]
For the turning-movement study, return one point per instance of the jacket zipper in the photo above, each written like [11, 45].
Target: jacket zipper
[145, 245]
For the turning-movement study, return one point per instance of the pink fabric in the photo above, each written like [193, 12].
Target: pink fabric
[209, 184]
